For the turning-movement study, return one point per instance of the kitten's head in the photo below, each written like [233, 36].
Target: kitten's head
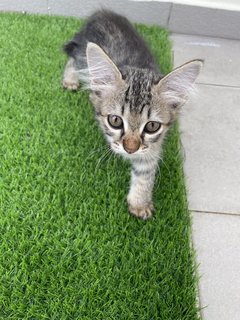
[135, 107]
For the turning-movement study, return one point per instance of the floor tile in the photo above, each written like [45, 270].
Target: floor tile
[207, 21]
[222, 63]
[145, 12]
[216, 239]
[210, 133]
[33, 6]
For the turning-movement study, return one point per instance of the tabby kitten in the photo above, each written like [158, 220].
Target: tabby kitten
[134, 103]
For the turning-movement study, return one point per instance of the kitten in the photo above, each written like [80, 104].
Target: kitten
[134, 103]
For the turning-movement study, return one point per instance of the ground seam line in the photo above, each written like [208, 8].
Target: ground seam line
[217, 213]
[218, 85]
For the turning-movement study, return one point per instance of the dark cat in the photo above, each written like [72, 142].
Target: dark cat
[134, 103]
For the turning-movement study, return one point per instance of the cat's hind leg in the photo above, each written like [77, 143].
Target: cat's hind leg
[70, 76]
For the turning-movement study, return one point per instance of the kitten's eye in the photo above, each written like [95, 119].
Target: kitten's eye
[115, 122]
[152, 127]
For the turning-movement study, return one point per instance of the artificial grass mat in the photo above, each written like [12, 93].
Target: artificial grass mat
[68, 247]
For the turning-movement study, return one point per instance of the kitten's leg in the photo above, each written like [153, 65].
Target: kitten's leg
[70, 75]
[140, 193]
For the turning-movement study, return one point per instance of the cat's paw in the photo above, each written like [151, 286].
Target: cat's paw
[70, 85]
[142, 212]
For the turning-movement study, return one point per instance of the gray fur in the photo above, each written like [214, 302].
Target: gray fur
[116, 36]
[113, 62]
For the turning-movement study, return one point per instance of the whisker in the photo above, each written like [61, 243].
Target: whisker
[90, 156]
[168, 170]
[103, 157]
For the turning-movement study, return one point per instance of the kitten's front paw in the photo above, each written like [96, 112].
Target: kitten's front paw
[142, 212]
[70, 84]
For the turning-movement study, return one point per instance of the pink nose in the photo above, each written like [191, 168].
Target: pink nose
[131, 144]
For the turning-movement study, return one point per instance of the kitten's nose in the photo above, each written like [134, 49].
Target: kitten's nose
[131, 144]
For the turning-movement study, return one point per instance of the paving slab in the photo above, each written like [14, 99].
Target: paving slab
[221, 56]
[28, 6]
[205, 21]
[216, 238]
[146, 12]
[210, 134]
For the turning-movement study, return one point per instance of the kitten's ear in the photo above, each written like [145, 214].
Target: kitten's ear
[176, 87]
[103, 73]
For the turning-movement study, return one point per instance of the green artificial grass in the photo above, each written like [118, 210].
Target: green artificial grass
[68, 247]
